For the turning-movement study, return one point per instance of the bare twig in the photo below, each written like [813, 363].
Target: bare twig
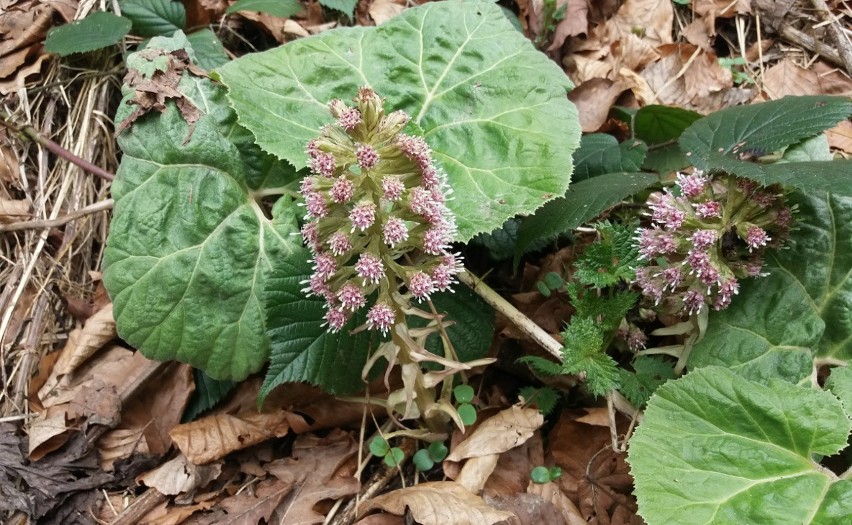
[31, 133]
[790, 34]
[140, 507]
[103, 205]
[844, 46]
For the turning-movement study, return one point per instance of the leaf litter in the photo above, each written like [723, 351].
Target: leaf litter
[88, 448]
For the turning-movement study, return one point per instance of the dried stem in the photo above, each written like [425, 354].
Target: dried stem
[103, 205]
[29, 132]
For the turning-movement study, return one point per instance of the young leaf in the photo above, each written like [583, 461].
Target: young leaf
[601, 153]
[717, 448]
[96, 31]
[347, 7]
[280, 8]
[189, 249]
[770, 126]
[379, 447]
[437, 451]
[656, 124]
[540, 475]
[584, 354]
[463, 393]
[606, 310]
[209, 51]
[154, 17]
[834, 177]
[542, 365]
[650, 373]
[777, 324]
[422, 460]
[583, 201]
[543, 398]
[447, 65]
[611, 259]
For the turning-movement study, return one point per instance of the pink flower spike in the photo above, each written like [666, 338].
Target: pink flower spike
[366, 156]
[349, 119]
[756, 237]
[342, 190]
[336, 318]
[442, 277]
[653, 242]
[636, 339]
[673, 276]
[323, 164]
[392, 188]
[420, 285]
[394, 231]
[325, 265]
[708, 210]
[310, 235]
[339, 243]
[351, 297]
[435, 241]
[704, 238]
[691, 185]
[370, 268]
[315, 205]
[317, 286]
[363, 215]
[693, 301]
[381, 317]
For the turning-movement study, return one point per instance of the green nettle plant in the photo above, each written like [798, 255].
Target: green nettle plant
[262, 218]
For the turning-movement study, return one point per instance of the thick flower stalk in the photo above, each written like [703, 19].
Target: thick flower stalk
[377, 223]
[706, 239]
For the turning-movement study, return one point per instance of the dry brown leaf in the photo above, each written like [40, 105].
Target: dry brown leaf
[529, 509]
[9, 165]
[120, 443]
[840, 136]
[476, 472]
[13, 210]
[575, 21]
[84, 342]
[551, 493]
[439, 503]
[786, 78]
[16, 82]
[383, 10]
[653, 18]
[593, 99]
[512, 473]
[253, 506]
[503, 431]
[713, 9]
[25, 25]
[179, 476]
[598, 416]
[175, 514]
[698, 34]
[214, 436]
[320, 469]
[381, 519]
[48, 432]
[11, 62]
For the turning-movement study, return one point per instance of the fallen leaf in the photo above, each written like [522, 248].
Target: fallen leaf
[19, 79]
[476, 472]
[551, 493]
[529, 509]
[593, 99]
[252, 506]
[653, 19]
[439, 503]
[47, 432]
[840, 136]
[319, 469]
[597, 416]
[698, 34]
[180, 476]
[212, 437]
[13, 210]
[383, 10]
[503, 431]
[512, 473]
[575, 22]
[84, 342]
[786, 78]
[175, 514]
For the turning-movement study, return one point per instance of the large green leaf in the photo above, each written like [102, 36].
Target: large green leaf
[96, 31]
[659, 124]
[839, 383]
[600, 153]
[154, 17]
[190, 245]
[346, 7]
[715, 448]
[493, 109]
[762, 128]
[583, 201]
[208, 48]
[776, 325]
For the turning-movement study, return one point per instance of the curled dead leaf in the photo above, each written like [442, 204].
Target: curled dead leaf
[383, 10]
[503, 431]
[439, 503]
[180, 476]
[13, 210]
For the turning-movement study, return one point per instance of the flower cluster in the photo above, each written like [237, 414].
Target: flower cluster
[706, 239]
[376, 215]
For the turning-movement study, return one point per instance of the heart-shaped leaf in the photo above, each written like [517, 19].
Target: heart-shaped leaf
[717, 448]
[493, 108]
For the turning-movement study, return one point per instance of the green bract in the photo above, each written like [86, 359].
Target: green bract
[493, 109]
[717, 448]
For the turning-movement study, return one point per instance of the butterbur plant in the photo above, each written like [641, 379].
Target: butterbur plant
[706, 239]
[376, 216]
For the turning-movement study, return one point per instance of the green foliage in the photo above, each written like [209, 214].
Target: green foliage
[544, 398]
[650, 372]
[731, 64]
[209, 51]
[542, 475]
[611, 259]
[600, 153]
[467, 413]
[458, 69]
[839, 383]
[717, 448]
[281, 8]
[208, 393]
[154, 17]
[463, 393]
[189, 249]
[379, 447]
[422, 460]
[583, 201]
[96, 31]
[437, 450]
[347, 7]
[551, 283]
[779, 323]
[659, 127]
[605, 309]
[425, 458]
[394, 457]
[724, 140]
